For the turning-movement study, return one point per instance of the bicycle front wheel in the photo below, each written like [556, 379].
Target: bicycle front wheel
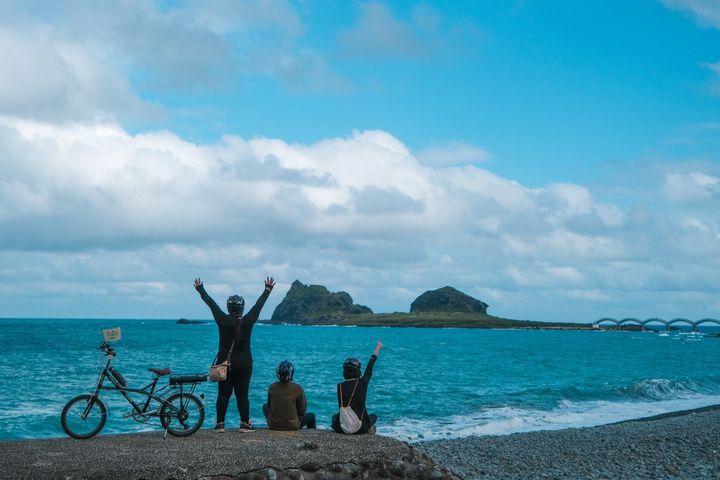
[182, 414]
[83, 416]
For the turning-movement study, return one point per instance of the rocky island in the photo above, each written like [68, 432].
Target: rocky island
[315, 305]
[443, 307]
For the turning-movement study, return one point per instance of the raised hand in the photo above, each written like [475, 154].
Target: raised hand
[269, 283]
[378, 346]
[198, 283]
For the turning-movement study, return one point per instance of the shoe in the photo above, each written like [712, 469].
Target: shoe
[246, 425]
[220, 427]
[372, 430]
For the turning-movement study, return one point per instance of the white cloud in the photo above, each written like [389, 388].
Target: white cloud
[452, 153]
[90, 62]
[378, 34]
[692, 222]
[715, 67]
[47, 77]
[705, 12]
[693, 186]
[92, 213]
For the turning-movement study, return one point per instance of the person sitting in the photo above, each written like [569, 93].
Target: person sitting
[353, 417]
[286, 407]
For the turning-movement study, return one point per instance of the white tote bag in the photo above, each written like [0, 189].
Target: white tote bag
[349, 421]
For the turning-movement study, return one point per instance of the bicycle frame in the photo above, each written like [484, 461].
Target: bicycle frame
[141, 410]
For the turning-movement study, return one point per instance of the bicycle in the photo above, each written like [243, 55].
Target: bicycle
[181, 412]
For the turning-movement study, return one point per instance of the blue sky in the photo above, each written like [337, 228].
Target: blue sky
[558, 159]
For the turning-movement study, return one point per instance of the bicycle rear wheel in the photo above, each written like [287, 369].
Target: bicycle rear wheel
[182, 414]
[83, 416]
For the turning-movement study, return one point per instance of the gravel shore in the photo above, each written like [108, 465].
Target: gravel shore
[679, 445]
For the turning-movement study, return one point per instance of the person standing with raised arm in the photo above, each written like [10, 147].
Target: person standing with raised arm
[235, 331]
[351, 393]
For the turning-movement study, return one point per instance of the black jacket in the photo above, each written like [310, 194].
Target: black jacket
[241, 355]
[345, 392]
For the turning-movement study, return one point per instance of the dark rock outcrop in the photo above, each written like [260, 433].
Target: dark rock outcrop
[310, 304]
[447, 299]
[262, 455]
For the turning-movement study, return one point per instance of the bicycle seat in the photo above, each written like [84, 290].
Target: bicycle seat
[160, 372]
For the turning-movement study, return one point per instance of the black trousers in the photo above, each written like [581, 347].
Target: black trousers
[238, 381]
[308, 421]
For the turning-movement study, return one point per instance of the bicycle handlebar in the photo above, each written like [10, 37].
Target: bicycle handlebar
[107, 349]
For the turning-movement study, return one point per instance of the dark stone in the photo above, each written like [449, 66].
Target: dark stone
[447, 299]
[310, 467]
[295, 475]
[310, 304]
[397, 468]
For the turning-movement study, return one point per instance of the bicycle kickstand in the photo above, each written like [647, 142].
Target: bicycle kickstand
[165, 434]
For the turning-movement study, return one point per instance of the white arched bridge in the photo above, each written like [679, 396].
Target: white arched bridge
[659, 321]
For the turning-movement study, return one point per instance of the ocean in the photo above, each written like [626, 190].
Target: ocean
[427, 383]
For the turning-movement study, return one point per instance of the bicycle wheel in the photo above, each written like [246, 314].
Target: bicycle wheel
[83, 416]
[182, 414]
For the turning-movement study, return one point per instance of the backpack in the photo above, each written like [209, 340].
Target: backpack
[349, 421]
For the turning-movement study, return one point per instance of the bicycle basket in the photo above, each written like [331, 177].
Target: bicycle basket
[190, 378]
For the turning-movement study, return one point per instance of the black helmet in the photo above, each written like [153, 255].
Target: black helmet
[285, 371]
[235, 304]
[351, 367]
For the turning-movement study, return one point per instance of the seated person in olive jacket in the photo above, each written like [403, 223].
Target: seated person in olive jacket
[286, 407]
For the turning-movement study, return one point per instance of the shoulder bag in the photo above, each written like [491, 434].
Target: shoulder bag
[218, 372]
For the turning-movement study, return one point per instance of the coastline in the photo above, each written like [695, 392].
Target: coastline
[683, 444]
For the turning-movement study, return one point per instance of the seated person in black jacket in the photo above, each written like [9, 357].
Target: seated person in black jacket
[352, 393]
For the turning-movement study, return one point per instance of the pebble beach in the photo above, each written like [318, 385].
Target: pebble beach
[679, 445]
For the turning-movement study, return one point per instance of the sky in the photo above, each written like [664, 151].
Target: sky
[559, 160]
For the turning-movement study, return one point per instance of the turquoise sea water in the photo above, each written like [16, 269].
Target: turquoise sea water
[427, 383]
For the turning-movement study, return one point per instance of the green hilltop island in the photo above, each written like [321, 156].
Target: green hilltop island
[444, 307]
